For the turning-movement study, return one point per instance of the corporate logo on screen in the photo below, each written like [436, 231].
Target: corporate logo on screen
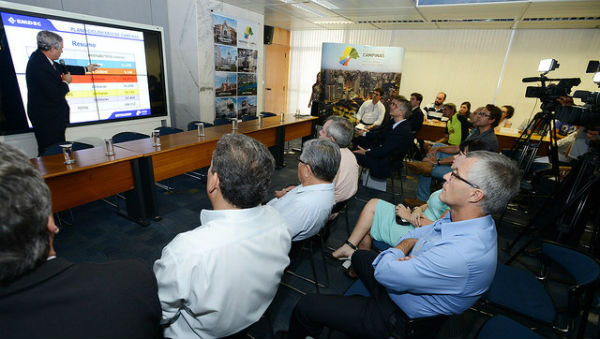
[248, 32]
[349, 53]
[24, 22]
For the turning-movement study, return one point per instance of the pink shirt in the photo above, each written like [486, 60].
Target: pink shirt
[346, 179]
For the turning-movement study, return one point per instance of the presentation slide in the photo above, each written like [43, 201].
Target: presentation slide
[117, 89]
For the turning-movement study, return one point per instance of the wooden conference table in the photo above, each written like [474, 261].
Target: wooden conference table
[434, 130]
[137, 164]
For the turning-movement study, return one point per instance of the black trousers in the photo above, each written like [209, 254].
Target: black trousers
[48, 134]
[356, 316]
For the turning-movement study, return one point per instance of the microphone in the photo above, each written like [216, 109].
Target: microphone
[534, 79]
[63, 67]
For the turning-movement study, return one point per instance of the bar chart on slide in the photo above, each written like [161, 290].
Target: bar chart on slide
[112, 91]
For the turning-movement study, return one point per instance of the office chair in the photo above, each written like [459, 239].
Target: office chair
[522, 292]
[128, 136]
[221, 121]
[503, 327]
[56, 149]
[426, 327]
[249, 117]
[164, 130]
[192, 125]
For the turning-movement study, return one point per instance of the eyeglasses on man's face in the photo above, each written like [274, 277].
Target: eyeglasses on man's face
[483, 114]
[455, 175]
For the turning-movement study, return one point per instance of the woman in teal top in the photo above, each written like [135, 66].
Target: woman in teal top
[378, 221]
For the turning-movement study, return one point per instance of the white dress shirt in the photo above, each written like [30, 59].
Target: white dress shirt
[305, 209]
[371, 114]
[219, 278]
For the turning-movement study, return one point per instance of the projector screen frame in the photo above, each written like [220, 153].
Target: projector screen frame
[99, 21]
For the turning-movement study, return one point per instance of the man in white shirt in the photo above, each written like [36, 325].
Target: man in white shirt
[371, 112]
[307, 206]
[339, 130]
[218, 279]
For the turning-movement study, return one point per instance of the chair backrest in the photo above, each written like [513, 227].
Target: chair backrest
[249, 117]
[221, 121]
[127, 136]
[192, 125]
[426, 327]
[500, 326]
[164, 130]
[585, 269]
[56, 149]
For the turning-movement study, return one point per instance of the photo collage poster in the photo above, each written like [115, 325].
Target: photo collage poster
[236, 60]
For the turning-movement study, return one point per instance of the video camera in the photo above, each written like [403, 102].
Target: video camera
[589, 114]
[549, 93]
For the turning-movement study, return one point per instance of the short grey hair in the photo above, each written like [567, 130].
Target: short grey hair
[341, 130]
[47, 40]
[245, 167]
[323, 156]
[24, 213]
[497, 176]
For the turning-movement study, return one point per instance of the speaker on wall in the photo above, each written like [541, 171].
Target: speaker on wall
[268, 35]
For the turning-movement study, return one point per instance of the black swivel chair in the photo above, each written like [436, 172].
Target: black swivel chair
[427, 327]
[221, 121]
[192, 125]
[518, 291]
[249, 117]
[56, 149]
[164, 130]
[128, 136]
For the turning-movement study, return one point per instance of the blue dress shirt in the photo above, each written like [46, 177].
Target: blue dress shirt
[453, 265]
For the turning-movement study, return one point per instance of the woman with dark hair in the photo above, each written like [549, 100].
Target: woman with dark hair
[316, 96]
[507, 113]
[465, 109]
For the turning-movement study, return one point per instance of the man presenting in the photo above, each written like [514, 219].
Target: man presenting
[442, 268]
[47, 84]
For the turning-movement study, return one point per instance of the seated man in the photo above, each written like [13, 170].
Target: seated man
[457, 128]
[438, 160]
[339, 130]
[219, 278]
[307, 206]
[46, 296]
[442, 268]
[393, 139]
[371, 112]
[434, 111]
[378, 219]
[416, 115]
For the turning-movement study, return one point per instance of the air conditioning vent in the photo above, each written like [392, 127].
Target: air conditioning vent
[581, 18]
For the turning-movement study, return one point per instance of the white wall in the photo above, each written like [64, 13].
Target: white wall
[151, 12]
[466, 64]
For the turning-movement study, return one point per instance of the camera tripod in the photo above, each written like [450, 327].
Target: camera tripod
[525, 150]
[577, 192]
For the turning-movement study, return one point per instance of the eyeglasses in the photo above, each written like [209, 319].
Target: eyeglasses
[455, 175]
[482, 114]
[300, 160]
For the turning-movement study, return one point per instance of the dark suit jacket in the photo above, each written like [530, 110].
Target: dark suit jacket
[416, 119]
[47, 107]
[62, 299]
[392, 142]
